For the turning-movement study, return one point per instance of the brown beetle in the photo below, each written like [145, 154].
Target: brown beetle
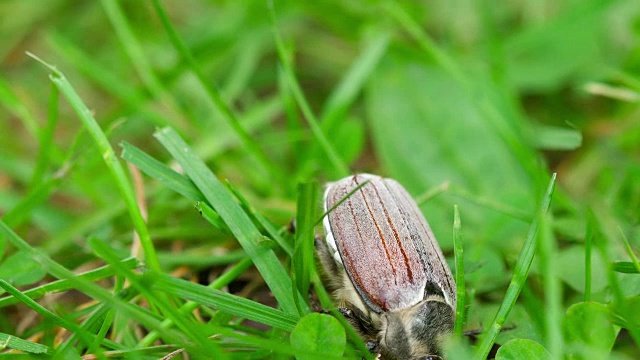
[392, 281]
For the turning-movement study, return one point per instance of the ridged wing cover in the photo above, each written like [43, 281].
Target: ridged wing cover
[385, 244]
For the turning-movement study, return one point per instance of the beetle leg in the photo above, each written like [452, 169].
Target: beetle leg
[359, 320]
[328, 263]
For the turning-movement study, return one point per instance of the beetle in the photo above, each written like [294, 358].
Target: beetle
[391, 279]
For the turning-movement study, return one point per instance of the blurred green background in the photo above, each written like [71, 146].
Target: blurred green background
[480, 99]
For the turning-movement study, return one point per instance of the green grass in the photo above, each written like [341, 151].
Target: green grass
[514, 127]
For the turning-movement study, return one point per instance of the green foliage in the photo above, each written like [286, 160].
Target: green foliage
[21, 269]
[522, 349]
[229, 116]
[588, 331]
[318, 336]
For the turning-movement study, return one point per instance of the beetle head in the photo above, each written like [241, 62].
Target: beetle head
[416, 332]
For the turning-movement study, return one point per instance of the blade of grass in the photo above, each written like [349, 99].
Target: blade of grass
[211, 216]
[339, 167]
[221, 300]
[107, 322]
[63, 285]
[625, 267]
[101, 320]
[41, 187]
[243, 344]
[302, 262]
[10, 100]
[16, 343]
[250, 53]
[425, 42]
[101, 312]
[84, 336]
[520, 274]
[356, 77]
[133, 49]
[491, 204]
[213, 92]
[605, 231]
[106, 79]
[432, 192]
[110, 159]
[159, 171]
[141, 315]
[91, 324]
[345, 93]
[260, 219]
[552, 289]
[319, 220]
[137, 353]
[194, 330]
[37, 195]
[198, 259]
[587, 257]
[293, 121]
[222, 281]
[627, 246]
[236, 219]
[460, 285]
[256, 119]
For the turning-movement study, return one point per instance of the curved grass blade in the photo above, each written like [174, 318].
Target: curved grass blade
[236, 219]
[519, 276]
[63, 285]
[221, 300]
[460, 285]
[161, 172]
[110, 159]
[302, 261]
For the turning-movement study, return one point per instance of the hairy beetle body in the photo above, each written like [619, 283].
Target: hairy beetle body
[390, 272]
